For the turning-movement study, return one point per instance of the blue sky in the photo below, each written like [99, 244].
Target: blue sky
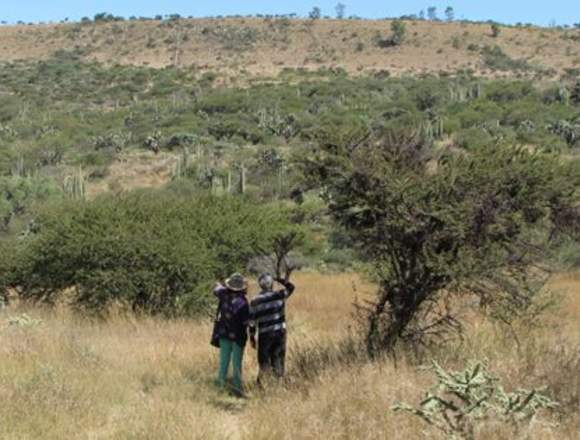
[507, 11]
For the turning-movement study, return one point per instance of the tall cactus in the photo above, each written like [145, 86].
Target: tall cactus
[564, 95]
[75, 185]
[242, 179]
[426, 132]
[229, 182]
[281, 177]
[19, 169]
[182, 164]
[439, 128]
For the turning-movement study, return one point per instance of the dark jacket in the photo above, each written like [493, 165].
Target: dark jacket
[234, 315]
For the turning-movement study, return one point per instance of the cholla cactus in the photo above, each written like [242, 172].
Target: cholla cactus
[460, 401]
[24, 321]
[115, 141]
[564, 95]
[153, 142]
[568, 130]
[6, 130]
[527, 125]
[276, 123]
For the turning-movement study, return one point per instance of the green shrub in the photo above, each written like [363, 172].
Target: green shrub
[19, 194]
[505, 91]
[569, 254]
[152, 251]
[9, 108]
[496, 59]
[399, 32]
[456, 42]
[473, 138]
[181, 140]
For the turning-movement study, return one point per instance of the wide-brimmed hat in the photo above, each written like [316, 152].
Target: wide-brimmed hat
[236, 282]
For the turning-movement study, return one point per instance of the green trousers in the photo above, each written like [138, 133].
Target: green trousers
[228, 350]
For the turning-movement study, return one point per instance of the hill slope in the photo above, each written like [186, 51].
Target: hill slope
[257, 47]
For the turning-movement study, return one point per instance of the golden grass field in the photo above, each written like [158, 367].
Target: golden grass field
[71, 378]
[202, 45]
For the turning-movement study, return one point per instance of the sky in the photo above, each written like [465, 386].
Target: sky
[505, 11]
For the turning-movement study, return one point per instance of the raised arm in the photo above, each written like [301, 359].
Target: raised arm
[288, 287]
[220, 290]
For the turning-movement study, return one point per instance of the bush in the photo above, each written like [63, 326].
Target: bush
[477, 224]
[496, 59]
[505, 91]
[399, 32]
[19, 194]
[181, 140]
[473, 138]
[569, 255]
[155, 252]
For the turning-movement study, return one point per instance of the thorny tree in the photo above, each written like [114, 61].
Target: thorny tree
[480, 223]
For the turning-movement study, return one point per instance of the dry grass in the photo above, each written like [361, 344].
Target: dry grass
[68, 378]
[348, 44]
[135, 170]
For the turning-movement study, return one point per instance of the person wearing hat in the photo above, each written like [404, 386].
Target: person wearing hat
[231, 328]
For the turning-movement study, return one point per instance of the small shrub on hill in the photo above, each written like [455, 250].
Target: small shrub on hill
[496, 59]
[399, 32]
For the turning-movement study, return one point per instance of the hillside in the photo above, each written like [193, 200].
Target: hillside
[102, 101]
[255, 47]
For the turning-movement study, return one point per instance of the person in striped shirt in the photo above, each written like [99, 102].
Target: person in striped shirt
[267, 318]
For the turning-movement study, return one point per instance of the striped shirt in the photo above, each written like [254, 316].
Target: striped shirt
[267, 310]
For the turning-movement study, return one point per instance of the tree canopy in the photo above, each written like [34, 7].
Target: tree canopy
[434, 223]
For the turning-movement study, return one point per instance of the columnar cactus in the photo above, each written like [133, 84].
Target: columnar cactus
[575, 93]
[19, 168]
[75, 185]
[242, 179]
[181, 166]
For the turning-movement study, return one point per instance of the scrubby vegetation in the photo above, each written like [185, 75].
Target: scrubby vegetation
[67, 112]
[154, 252]
[468, 224]
[453, 194]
